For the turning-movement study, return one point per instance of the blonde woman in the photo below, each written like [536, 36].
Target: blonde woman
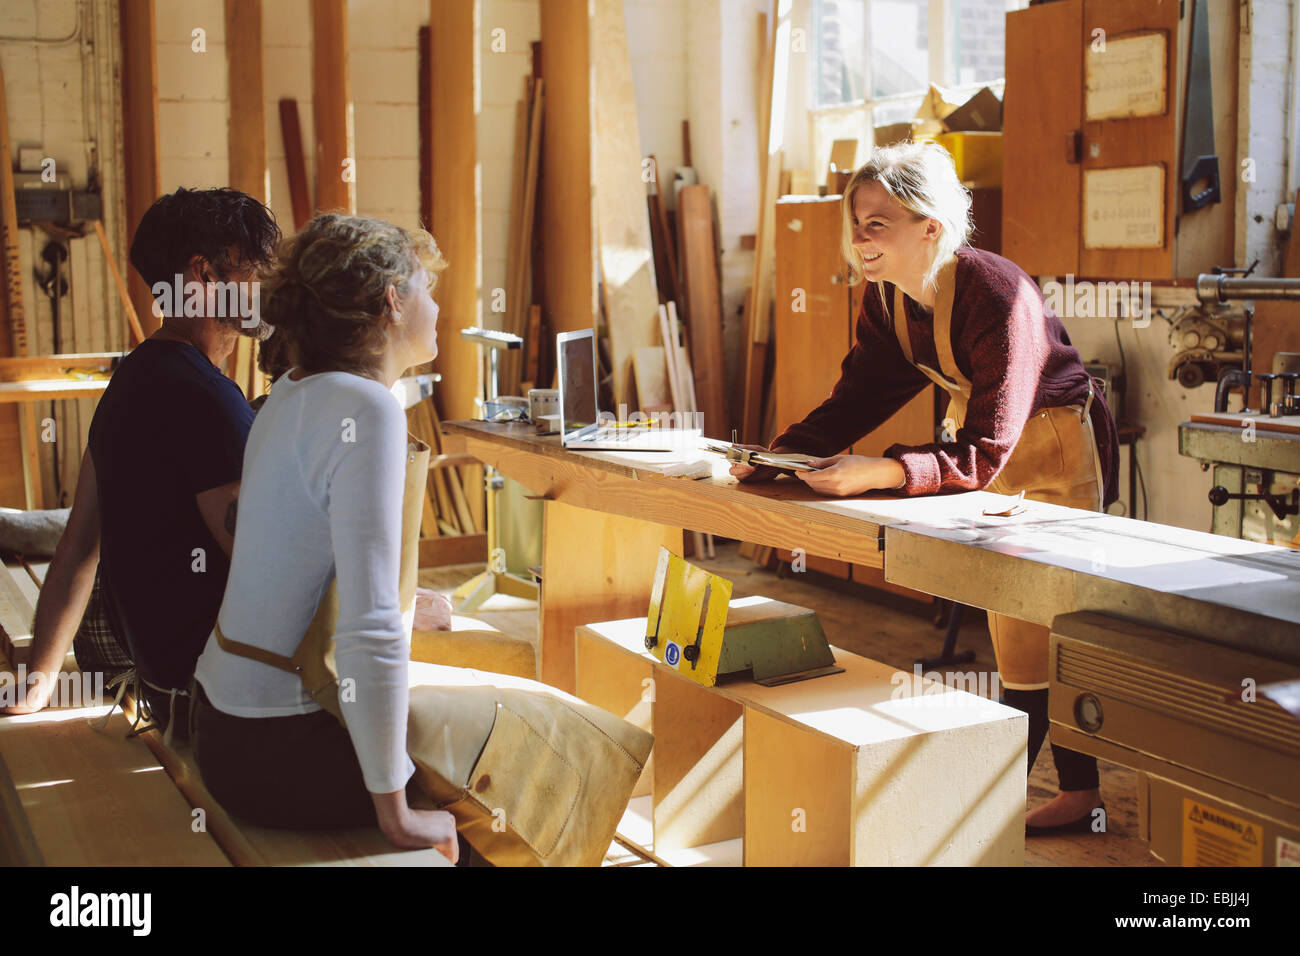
[320, 501]
[1023, 415]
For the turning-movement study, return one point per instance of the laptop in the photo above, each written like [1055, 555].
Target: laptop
[582, 427]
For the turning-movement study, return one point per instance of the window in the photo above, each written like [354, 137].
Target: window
[873, 50]
[876, 60]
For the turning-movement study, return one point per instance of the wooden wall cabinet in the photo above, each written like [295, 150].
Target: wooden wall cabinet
[1051, 146]
[816, 314]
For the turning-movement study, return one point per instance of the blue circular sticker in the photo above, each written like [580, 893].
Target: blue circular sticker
[672, 654]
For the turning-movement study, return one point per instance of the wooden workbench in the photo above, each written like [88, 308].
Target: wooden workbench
[606, 513]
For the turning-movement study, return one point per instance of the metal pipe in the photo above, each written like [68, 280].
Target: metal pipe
[1217, 289]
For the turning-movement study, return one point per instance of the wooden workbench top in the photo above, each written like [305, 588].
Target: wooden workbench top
[1045, 561]
[784, 513]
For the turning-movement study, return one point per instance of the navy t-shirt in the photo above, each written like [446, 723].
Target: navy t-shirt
[169, 426]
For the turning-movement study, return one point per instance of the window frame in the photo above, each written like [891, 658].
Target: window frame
[941, 40]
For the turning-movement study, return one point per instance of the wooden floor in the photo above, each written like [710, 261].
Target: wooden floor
[896, 631]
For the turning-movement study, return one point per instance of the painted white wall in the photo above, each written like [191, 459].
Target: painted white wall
[60, 59]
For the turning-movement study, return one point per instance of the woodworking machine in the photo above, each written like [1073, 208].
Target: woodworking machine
[1212, 731]
[1254, 453]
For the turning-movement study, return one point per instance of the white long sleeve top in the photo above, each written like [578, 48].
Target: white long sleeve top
[320, 498]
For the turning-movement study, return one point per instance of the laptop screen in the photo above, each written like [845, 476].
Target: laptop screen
[578, 380]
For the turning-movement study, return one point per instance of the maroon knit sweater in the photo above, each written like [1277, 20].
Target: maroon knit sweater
[1006, 341]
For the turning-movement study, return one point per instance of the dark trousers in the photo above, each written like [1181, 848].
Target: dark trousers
[295, 772]
[298, 772]
[1075, 771]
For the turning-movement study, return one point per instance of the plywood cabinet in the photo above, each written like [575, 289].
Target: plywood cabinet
[1083, 172]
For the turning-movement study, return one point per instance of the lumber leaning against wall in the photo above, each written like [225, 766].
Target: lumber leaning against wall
[622, 220]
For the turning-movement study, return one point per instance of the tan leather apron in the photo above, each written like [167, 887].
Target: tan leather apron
[533, 776]
[1055, 461]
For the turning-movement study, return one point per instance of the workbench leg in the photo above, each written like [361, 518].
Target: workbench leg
[595, 567]
[699, 765]
[29, 437]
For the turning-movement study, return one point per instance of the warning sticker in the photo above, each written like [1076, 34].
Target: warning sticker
[1214, 837]
[1288, 852]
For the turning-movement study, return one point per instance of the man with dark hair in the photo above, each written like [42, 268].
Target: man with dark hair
[154, 504]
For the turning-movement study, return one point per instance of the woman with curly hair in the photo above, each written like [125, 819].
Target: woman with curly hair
[321, 502]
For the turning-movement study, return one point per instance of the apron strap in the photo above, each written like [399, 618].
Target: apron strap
[947, 279]
[259, 654]
[947, 283]
[900, 321]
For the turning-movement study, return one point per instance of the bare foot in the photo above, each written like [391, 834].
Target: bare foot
[1065, 807]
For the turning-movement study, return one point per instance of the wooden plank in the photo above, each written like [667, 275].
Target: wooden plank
[1042, 237]
[533, 347]
[51, 390]
[685, 375]
[757, 315]
[454, 190]
[425, 106]
[30, 435]
[463, 516]
[140, 133]
[566, 207]
[295, 162]
[455, 549]
[699, 765]
[16, 613]
[608, 564]
[136, 333]
[652, 388]
[99, 798]
[622, 220]
[421, 426]
[331, 106]
[518, 300]
[457, 482]
[704, 306]
[670, 359]
[73, 431]
[662, 240]
[246, 155]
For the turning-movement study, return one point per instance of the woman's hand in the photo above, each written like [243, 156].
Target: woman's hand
[843, 475]
[749, 473]
[410, 829]
[432, 610]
